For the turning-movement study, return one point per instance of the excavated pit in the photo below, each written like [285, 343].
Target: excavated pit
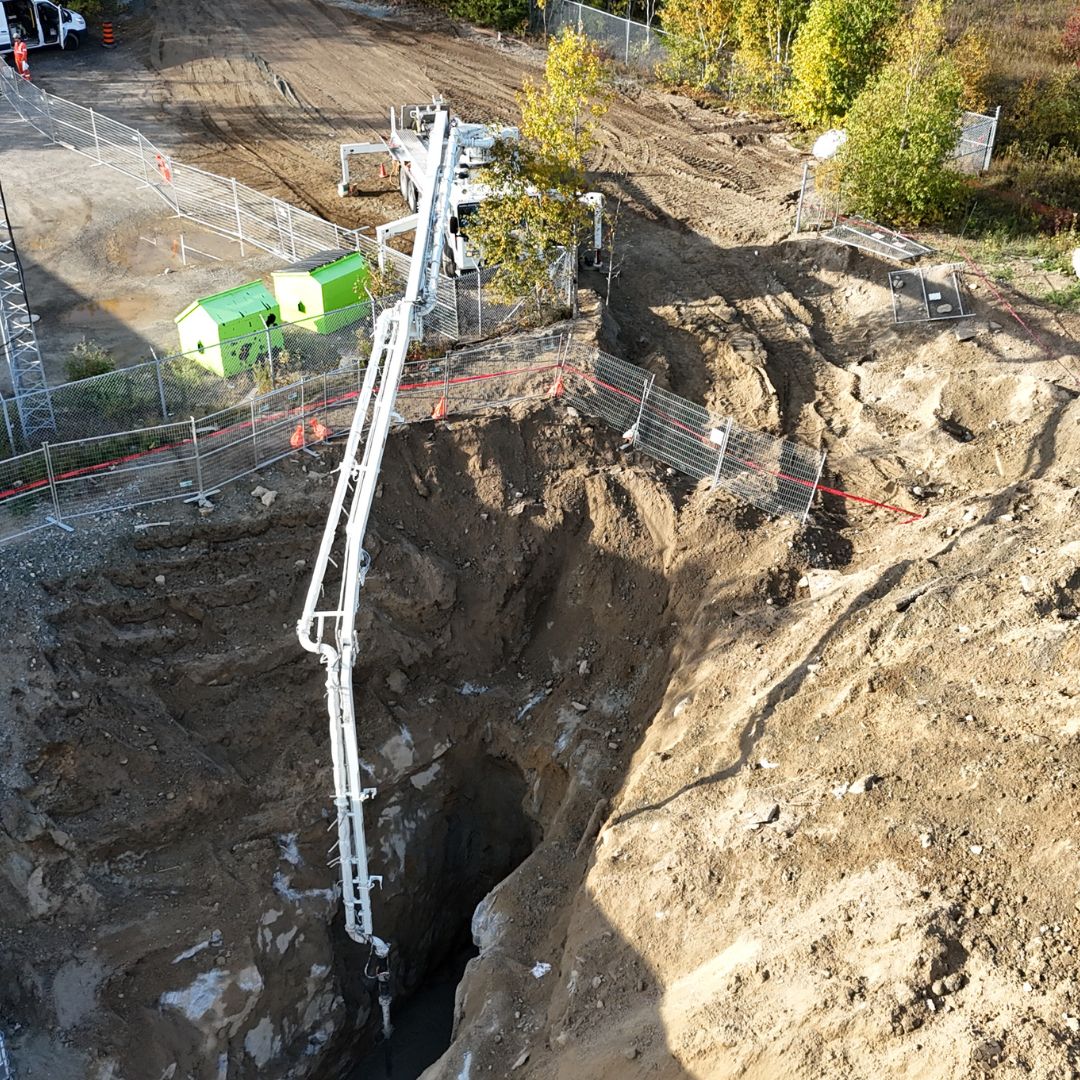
[170, 784]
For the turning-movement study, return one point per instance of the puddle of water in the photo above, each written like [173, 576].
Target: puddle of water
[125, 309]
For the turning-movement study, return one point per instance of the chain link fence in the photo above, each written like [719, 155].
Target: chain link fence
[190, 459]
[625, 41]
[165, 388]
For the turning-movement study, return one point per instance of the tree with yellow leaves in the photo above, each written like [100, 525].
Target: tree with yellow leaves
[536, 182]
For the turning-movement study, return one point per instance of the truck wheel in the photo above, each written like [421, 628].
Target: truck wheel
[414, 197]
[403, 183]
[71, 42]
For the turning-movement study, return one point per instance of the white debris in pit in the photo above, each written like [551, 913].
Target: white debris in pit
[421, 780]
[399, 750]
[290, 852]
[681, 706]
[270, 917]
[187, 954]
[284, 940]
[393, 831]
[530, 705]
[283, 888]
[487, 925]
[468, 689]
[218, 999]
[466, 1067]
[540, 969]
[261, 1043]
[568, 722]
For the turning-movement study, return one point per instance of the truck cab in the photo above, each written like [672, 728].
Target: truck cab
[41, 22]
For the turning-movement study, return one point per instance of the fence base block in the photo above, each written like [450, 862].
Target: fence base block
[60, 524]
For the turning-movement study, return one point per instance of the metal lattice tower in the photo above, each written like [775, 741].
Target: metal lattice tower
[28, 384]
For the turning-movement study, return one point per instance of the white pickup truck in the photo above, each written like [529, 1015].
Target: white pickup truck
[42, 23]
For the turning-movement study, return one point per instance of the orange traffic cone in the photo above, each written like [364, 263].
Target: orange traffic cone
[439, 412]
[557, 390]
[297, 440]
[108, 38]
[319, 430]
[382, 170]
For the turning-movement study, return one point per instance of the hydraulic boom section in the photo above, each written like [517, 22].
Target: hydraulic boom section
[330, 631]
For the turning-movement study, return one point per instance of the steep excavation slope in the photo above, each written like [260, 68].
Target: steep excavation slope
[165, 811]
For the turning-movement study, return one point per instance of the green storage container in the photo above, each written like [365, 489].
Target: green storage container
[326, 282]
[208, 326]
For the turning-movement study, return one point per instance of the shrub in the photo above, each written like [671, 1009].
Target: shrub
[896, 163]
[88, 359]
[498, 14]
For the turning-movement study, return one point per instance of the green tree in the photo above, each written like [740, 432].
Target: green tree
[700, 32]
[538, 180]
[841, 44]
[902, 129]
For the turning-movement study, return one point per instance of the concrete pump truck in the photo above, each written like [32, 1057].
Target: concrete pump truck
[409, 147]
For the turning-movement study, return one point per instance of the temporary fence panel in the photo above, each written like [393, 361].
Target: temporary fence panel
[26, 495]
[975, 145]
[6, 1070]
[928, 295]
[819, 205]
[777, 475]
[876, 239]
[117, 472]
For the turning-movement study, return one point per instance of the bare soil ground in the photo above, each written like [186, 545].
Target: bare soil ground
[817, 815]
[102, 259]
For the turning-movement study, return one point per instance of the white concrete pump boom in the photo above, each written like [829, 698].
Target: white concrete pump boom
[331, 631]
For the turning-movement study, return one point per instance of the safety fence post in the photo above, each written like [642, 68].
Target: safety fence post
[802, 195]
[817, 480]
[198, 459]
[7, 425]
[446, 386]
[161, 388]
[48, 112]
[292, 229]
[93, 129]
[721, 451]
[303, 415]
[239, 222]
[254, 441]
[52, 484]
[142, 155]
[641, 408]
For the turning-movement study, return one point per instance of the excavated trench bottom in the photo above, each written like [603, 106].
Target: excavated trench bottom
[511, 657]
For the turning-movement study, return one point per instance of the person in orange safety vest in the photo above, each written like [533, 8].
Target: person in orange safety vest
[22, 65]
